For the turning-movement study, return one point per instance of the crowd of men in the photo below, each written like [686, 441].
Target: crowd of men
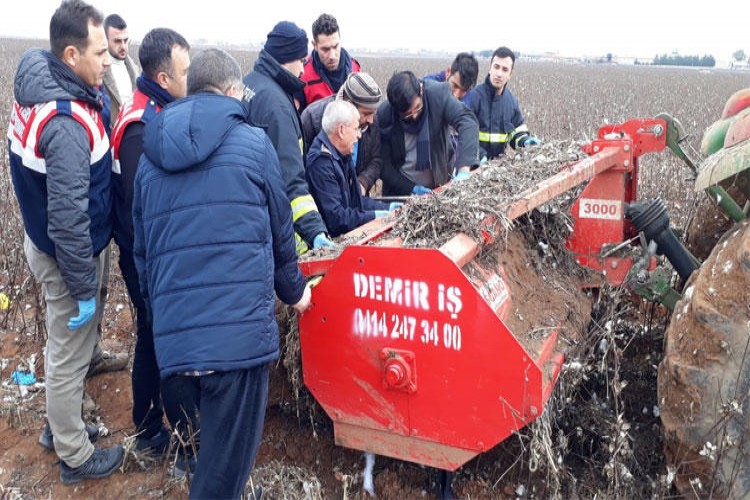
[211, 184]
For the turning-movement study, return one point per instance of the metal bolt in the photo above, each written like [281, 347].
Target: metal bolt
[614, 264]
[626, 163]
[534, 411]
[658, 130]
[596, 149]
[626, 147]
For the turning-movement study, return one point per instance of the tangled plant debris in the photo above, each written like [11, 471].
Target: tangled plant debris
[429, 221]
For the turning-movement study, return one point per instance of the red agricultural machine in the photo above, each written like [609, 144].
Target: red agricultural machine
[411, 351]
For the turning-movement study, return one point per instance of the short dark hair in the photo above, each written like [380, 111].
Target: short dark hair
[325, 24]
[114, 21]
[468, 67]
[213, 70]
[402, 88]
[503, 52]
[155, 52]
[70, 25]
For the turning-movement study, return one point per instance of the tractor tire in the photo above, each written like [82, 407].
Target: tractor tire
[704, 377]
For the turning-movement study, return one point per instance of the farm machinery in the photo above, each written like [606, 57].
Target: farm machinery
[419, 354]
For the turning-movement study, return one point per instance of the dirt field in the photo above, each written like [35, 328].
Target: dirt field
[600, 434]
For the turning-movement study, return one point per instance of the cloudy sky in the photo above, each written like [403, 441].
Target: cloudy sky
[638, 28]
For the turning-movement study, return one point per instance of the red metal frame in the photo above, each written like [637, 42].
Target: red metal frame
[407, 350]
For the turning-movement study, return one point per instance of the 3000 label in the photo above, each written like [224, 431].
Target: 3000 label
[590, 208]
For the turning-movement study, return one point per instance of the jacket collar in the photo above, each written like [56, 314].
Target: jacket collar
[270, 67]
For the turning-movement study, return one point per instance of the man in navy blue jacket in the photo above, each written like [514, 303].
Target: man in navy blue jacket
[331, 174]
[500, 119]
[213, 240]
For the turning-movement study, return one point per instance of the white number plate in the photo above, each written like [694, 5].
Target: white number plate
[590, 208]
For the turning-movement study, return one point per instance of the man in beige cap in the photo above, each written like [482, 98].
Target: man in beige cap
[361, 90]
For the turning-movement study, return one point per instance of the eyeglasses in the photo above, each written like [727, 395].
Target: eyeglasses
[411, 115]
[359, 130]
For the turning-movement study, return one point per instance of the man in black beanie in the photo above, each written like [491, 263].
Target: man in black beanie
[270, 87]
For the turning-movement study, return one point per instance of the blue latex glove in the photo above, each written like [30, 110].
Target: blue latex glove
[531, 141]
[462, 175]
[381, 213]
[321, 241]
[21, 378]
[394, 205]
[86, 310]
[483, 161]
[420, 190]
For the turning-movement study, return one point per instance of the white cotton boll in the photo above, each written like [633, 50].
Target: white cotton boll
[367, 482]
[603, 344]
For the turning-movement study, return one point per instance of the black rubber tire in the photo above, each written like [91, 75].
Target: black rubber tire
[704, 377]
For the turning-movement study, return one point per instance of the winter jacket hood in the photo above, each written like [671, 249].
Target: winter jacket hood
[42, 77]
[184, 137]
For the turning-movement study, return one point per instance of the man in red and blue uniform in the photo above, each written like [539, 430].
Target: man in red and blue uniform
[61, 164]
[164, 57]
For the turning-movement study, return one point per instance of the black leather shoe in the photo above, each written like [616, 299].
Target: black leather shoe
[46, 441]
[102, 463]
[154, 445]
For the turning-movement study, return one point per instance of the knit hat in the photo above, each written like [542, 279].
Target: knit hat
[361, 89]
[286, 42]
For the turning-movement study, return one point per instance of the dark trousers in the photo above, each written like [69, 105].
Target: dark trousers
[153, 397]
[232, 411]
[147, 405]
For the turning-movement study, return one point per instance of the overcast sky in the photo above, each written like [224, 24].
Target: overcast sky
[640, 28]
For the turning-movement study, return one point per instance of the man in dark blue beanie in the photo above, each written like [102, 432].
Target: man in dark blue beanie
[286, 43]
[270, 104]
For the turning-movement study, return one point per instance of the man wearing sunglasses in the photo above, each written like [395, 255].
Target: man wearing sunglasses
[415, 123]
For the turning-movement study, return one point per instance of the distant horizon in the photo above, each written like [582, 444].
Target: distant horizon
[639, 29]
[403, 51]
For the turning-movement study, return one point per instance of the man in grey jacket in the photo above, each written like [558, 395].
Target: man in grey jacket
[415, 128]
[61, 167]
